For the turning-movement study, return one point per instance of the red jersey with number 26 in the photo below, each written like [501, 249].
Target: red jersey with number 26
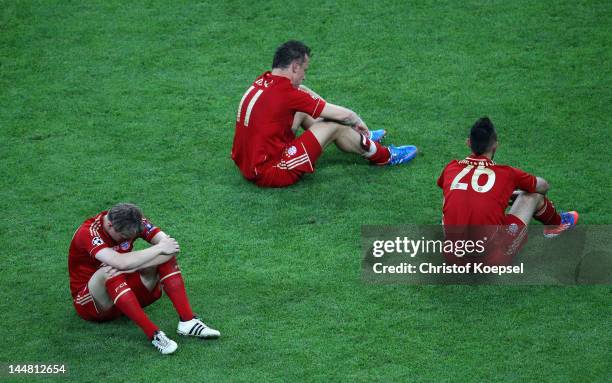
[264, 119]
[477, 191]
[88, 240]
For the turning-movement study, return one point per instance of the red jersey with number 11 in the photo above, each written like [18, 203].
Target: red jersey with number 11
[264, 120]
[477, 191]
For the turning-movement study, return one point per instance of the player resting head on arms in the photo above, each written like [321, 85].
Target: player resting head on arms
[109, 279]
[274, 108]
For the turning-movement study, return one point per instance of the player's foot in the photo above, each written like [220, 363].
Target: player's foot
[163, 344]
[377, 135]
[401, 154]
[568, 221]
[196, 327]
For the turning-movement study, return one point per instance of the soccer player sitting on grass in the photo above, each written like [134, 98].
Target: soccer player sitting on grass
[108, 278]
[265, 147]
[477, 192]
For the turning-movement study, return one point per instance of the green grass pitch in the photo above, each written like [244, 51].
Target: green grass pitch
[109, 101]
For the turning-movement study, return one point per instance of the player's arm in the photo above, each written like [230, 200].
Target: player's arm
[344, 116]
[134, 260]
[160, 259]
[529, 183]
[312, 92]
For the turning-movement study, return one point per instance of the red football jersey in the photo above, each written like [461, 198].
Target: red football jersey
[264, 119]
[477, 191]
[88, 240]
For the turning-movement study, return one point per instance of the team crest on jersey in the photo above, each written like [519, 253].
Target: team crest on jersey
[124, 245]
[291, 151]
[97, 241]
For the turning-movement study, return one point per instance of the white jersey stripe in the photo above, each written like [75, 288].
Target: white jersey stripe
[83, 303]
[83, 297]
[293, 165]
[250, 107]
[242, 101]
[298, 158]
[298, 161]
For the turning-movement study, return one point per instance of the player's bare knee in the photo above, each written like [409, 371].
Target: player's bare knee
[537, 198]
[325, 132]
[531, 198]
[298, 120]
[149, 277]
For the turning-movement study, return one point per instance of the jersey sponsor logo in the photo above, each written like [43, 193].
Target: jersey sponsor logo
[122, 285]
[291, 151]
[97, 241]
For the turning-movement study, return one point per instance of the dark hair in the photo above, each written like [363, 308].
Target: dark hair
[126, 219]
[482, 136]
[289, 51]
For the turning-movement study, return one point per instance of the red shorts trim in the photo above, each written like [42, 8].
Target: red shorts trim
[296, 159]
[86, 307]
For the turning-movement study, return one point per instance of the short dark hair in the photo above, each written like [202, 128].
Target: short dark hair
[126, 219]
[482, 136]
[289, 51]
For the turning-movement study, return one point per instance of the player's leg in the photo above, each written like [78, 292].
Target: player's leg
[97, 289]
[306, 121]
[110, 288]
[302, 120]
[528, 205]
[349, 140]
[525, 206]
[174, 286]
[555, 222]
[149, 277]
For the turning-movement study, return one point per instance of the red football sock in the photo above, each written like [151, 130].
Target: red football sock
[174, 286]
[127, 303]
[381, 155]
[547, 214]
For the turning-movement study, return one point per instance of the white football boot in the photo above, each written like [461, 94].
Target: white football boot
[197, 328]
[163, 344]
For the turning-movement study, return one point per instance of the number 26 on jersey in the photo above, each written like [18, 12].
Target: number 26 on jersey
[480, 171]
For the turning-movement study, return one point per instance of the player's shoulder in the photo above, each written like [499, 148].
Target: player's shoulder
[91, 227]
[451, 163]
[505, 167]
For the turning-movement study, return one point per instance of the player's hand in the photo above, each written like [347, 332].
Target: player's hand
[362, 128]
[169, 246]
[110, 271]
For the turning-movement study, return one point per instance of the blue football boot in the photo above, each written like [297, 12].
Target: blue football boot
[377, 135]
[401, 154]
